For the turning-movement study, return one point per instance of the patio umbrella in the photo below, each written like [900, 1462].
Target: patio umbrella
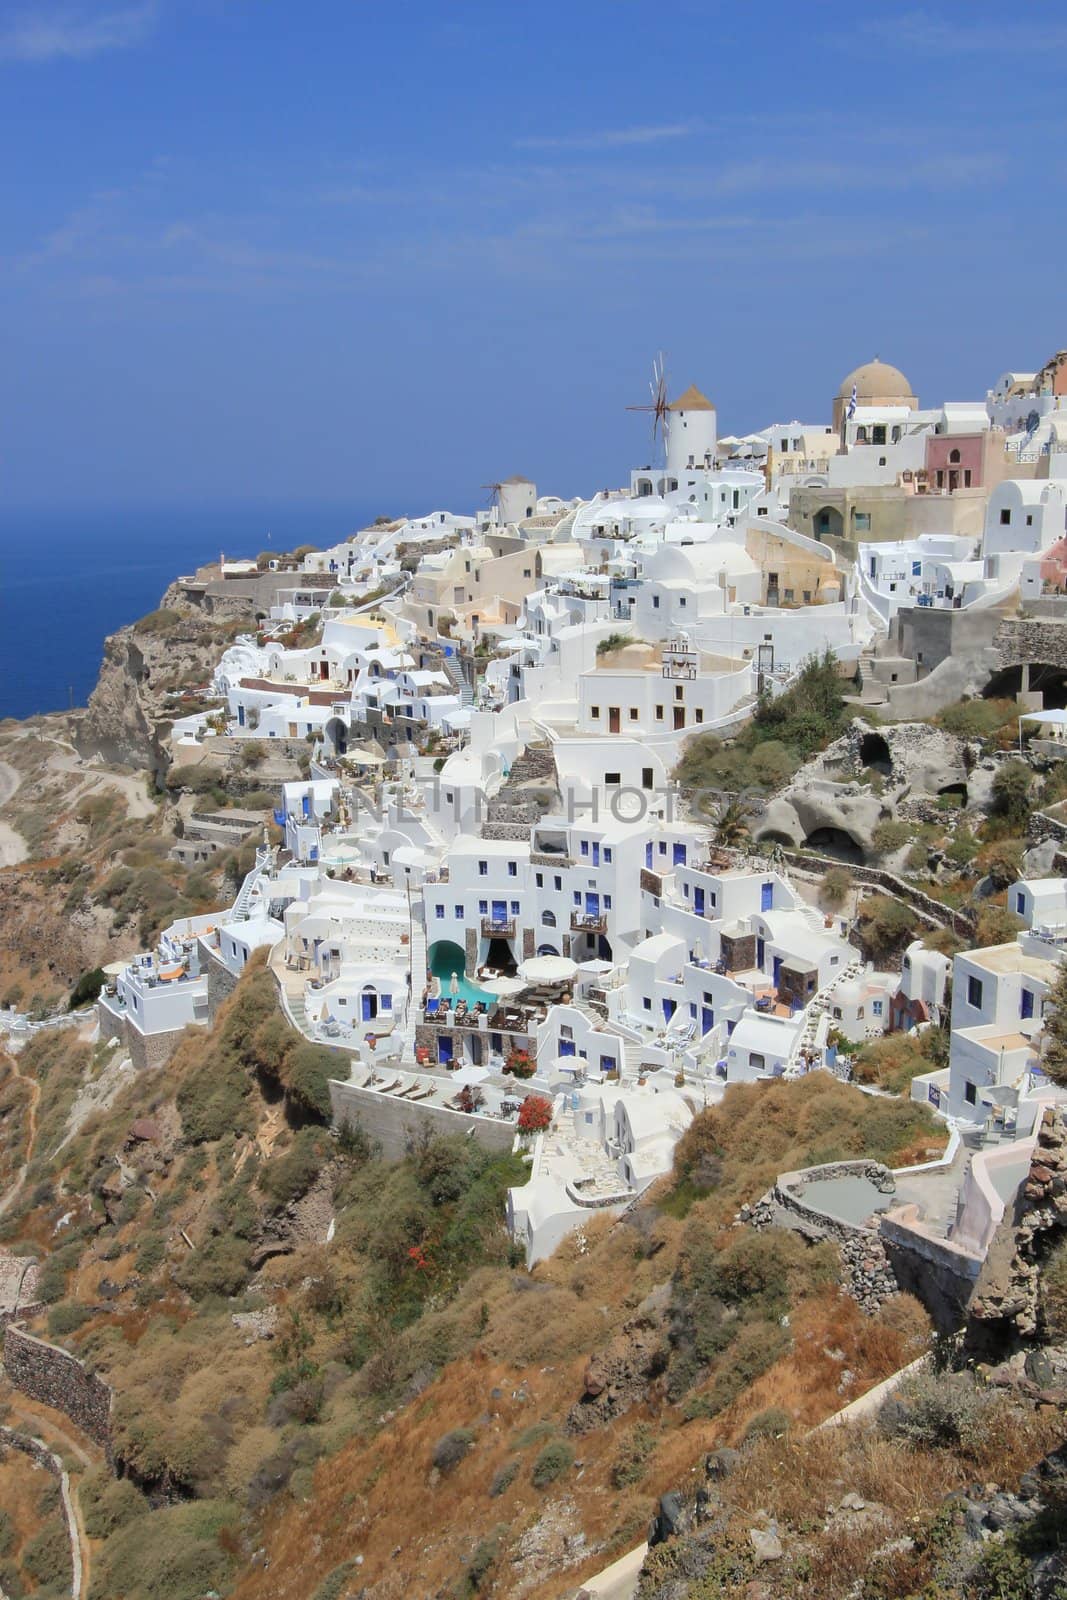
[548, 969]
[453, 985]
[470, 1075]
[502, 986]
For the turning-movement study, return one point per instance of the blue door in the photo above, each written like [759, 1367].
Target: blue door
[707, 1019]
[305, 805]
[566, 1047]
[761, 951]
[679, 855]
[766, 896]
[241, 723]
[592, 905]
[369, 1007]
[500, 911]
[668, 1010]
[444, 1048]
[596, 855]
[698, 900]
[1027, 1003]
[648, 847]
[777, 971]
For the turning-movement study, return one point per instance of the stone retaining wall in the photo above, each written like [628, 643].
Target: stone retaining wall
[1019, 642]
[924, 905]
[868, 1275]
[58, 1379]
[392, 1123]
[939, 1273]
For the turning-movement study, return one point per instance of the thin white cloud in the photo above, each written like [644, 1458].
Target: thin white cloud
[925, 30]
[610, 138]
[76, 33]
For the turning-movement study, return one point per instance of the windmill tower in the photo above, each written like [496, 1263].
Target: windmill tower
[692, 433]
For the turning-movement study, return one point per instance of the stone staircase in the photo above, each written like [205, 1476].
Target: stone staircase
[817, 1008]
[454, 672]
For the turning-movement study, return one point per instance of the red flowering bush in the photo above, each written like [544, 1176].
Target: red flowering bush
[519, 1064]
[535, 1114]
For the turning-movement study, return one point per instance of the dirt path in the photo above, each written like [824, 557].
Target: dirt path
[132, 787]
[40, 1421]
[13, 847]
[35, 1094]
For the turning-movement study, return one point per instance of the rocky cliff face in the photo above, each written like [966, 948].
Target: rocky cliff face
[1007, 1312]
[146, 669]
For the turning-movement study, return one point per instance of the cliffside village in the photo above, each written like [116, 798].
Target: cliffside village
[492, 892]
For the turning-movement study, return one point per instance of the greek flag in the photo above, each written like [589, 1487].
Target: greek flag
[851, 412]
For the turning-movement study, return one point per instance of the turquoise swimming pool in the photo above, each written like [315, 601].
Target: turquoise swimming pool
[446, 958]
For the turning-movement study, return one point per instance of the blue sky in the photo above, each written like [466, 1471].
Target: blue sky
[349, 252]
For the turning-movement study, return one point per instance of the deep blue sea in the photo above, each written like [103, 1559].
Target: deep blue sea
[69, 578]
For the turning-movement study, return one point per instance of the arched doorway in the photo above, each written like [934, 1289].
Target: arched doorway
[837, 843]
[335, 736]
[874, 753]
[828, 523]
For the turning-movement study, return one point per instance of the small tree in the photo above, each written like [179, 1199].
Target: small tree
[836, 883]
[731, 829]
[996, 925]
[1054, 1060]
[886, 926]
[535, 1114]
[1011, 795]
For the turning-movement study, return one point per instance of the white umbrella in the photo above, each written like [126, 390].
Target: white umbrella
[470, 1075]
[502, 986]
[548, 969]
[453, 985]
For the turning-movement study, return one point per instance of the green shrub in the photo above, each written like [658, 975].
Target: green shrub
[109, 1503]
[1011, 795]
[835, 887]
[451, 1449]
[67, 1318]
[932, 1411]
[286, 1177]
[219, 1267]
[977, 719]
[996, 925]
[336, 1584]
[164, 620]
[503, 1478]
[150, 1253]
[631, 1462]
[773, 1423]
[886, 926]
[894, 1060]
[87, 989]
[48, 1553]
[307, 1079]
[174, 1553]
[556, 1459]
[890, 835]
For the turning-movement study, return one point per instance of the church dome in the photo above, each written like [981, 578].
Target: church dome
[878, 381]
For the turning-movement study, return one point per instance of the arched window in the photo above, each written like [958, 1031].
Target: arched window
[954, 457]
[548, 919]
[861, 434]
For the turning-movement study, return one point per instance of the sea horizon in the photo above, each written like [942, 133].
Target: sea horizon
[70, 577]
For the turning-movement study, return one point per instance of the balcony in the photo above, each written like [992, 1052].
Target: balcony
[549, 858]
[496, 929]
[585, 922]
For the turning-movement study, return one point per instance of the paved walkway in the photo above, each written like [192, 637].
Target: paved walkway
[935, 1191]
